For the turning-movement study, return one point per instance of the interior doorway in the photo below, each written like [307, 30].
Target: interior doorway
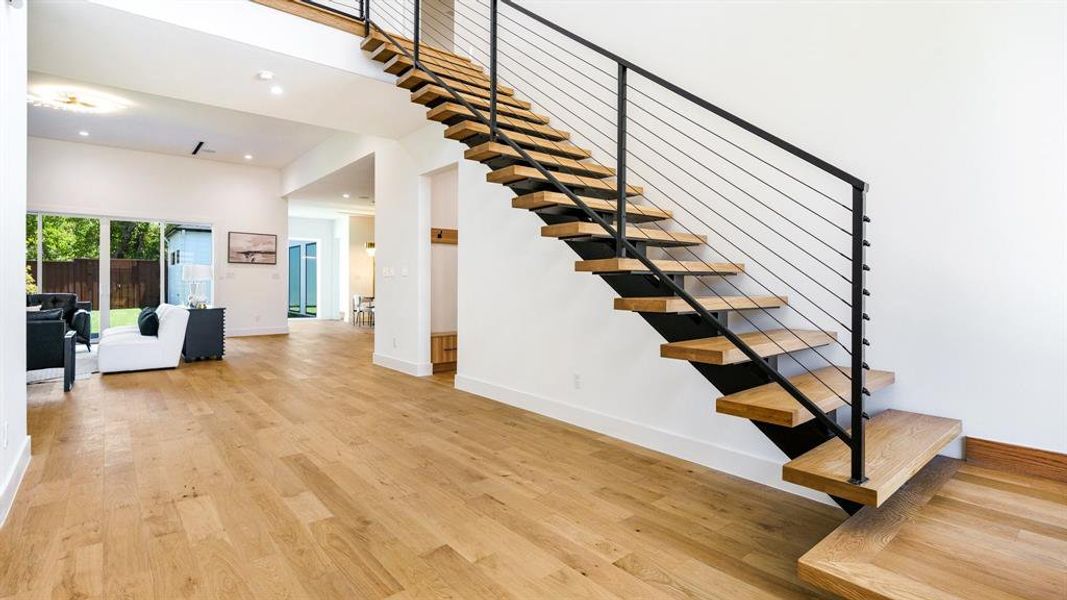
[303, 279]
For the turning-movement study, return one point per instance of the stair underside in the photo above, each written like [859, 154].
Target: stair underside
[635, 213]
[898, 444]
[632, 266]
[519, 173]
[585, 230]
[499, 151]
[428, 94]
[719, 351]
[770, 403]
[674, 304]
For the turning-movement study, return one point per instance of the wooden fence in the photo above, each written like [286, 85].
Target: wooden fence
[134, 283]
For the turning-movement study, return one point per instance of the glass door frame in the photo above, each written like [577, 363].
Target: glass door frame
[104, 277]
[302, 292]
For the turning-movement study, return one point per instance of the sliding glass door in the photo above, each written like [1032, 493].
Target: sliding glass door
[303, 279]
[145, 263]
[134, 268]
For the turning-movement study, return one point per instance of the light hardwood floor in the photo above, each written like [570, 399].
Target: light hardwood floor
[296, 469]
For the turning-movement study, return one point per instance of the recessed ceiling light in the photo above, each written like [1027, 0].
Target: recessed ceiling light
[265, 75]
[83, 133]
[277, 90]
[346, 195]
[248, 157]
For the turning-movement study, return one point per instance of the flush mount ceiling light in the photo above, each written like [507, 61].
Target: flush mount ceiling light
[75, 99]
[249, 157]
[277, 90]
[346, 195]
[265, 75]
[83, 133]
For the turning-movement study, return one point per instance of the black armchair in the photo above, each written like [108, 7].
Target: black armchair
[75, 313]
[50, 344]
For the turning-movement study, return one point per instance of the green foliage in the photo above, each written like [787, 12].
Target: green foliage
[135, 239]
[67, 238]
[31, 285]
[31, 236]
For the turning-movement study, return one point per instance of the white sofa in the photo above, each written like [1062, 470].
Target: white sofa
[125, 349]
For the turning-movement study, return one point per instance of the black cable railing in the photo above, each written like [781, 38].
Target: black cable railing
[801, 340]
[726, 301]
[410, 17]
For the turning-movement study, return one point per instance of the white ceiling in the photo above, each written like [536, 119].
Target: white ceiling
[325, 197]
[159, 124]
[85, 41]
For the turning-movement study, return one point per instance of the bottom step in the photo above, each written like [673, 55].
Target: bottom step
[898, 444]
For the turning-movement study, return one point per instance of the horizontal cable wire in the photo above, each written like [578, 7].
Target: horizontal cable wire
[704, 283]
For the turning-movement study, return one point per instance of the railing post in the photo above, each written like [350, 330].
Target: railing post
[492, 68]
[418, 15]
[859, 318]
[366, 14]
[620, 169]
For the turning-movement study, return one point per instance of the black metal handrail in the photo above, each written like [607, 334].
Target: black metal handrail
[855, 438]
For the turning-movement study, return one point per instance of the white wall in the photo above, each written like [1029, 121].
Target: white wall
[444, 209]
[67, 177]
[14, 441]
[329, 280]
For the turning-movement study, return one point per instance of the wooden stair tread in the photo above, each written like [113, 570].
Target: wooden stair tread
[451, 78]
[674, 304]
[373, 41]
[515, 173]
[432, 93]
[468, 128]
[898, 444]
[634, 212]
[626, 266]
[414, 78]
[770, 403]
[491, 150]
[449, 110]
[588, 229]
[387, 52]
[719, 351]
[401, 64]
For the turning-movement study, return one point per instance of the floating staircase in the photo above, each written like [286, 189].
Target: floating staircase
[898, 443]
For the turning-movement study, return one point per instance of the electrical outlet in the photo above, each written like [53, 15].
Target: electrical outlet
[577, 381]
[395, 345]
[257, 318]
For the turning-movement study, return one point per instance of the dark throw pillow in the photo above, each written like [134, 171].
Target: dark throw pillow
[55, 314]
[144, 311]
[148, 322]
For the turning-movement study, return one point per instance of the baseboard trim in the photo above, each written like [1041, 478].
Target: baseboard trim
[14, 480]
[747, 466]
[257, 331]
[1017, 459]
[404, 366]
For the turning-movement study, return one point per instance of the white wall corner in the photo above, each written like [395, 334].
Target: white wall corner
[416, 369]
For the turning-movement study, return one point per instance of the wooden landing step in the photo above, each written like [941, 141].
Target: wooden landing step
[465, 130]
[770, 403]
[450, 111]
[415, 79]
[955, 531]
[674, 304]
[497, 151]
[587, 230]
[719, 351]
[635, 213]
[376, 39]
[431, 93]
[519, 173]
[632, 266]
[898, 444]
